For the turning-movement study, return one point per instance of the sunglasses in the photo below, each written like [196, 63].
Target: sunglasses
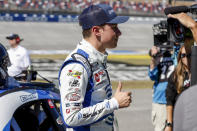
[183, 55]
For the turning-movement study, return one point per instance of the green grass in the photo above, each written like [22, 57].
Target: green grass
[133, 84]
[52, 56]
[126, 59]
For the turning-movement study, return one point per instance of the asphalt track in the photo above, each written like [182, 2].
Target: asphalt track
[137, 117]
[65, 36]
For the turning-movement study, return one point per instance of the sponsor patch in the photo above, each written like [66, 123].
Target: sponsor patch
[186, 83]
[74, 83]
[107, 105]
[73, 96]
[25, 98]
[86, 115]
[51, 104]
[67, 104]
[79, 116]
[73, 104]
[97, 76]
[75, 90]
[67, 111]
[75, 74]
[75, 108]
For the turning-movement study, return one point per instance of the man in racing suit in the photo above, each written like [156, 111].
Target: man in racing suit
[85, 88]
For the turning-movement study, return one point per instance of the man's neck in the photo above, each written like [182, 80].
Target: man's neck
[14, 46]
[96, 44]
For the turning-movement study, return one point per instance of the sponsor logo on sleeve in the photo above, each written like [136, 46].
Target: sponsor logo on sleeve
[67, 104]
[76, 104]
[75, 108]
[75, 74]
[79, 116]
[75, 90]
[86, 115]
[74, 83]
[73, 96]
[107, 105]
[73, 104]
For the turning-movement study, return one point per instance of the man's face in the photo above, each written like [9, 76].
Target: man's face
[13, 43]
[110, 35]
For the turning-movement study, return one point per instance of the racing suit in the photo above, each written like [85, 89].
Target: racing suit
[85, 88]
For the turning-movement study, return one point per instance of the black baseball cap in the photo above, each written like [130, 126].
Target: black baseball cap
[98, 15]
[14, 36]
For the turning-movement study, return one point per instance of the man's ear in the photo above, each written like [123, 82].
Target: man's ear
[96, 30]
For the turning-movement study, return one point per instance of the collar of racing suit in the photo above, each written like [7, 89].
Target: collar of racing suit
[95, 54]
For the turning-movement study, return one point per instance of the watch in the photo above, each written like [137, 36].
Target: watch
[169, 124]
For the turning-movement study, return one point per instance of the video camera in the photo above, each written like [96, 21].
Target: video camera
[160, 38]
[176, 32]
[160, 33]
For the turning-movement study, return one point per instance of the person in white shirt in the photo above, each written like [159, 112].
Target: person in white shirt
[18, 55]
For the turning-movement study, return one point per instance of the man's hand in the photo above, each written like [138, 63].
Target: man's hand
[184, 19]
[123, 98]
[153, 51]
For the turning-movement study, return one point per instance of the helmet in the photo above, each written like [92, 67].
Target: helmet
[4, 58]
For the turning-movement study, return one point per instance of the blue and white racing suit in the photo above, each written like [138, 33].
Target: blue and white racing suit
[86, 93]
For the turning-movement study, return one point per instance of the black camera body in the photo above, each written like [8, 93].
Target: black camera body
[177, 32]
[160, 38]
[160, 33]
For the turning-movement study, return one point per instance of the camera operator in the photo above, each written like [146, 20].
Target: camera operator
[161, 67]
[184, 113]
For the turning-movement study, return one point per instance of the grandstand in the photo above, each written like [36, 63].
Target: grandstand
[124, 7]
[76, 6]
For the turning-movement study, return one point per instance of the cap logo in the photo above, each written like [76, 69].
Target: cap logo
[110, 11]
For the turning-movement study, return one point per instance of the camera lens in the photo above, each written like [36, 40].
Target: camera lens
[178, 30]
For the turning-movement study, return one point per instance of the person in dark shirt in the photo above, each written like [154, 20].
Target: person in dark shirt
[178, 82]
[184, 111]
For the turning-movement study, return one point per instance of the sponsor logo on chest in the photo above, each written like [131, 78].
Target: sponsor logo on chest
[98, 76]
